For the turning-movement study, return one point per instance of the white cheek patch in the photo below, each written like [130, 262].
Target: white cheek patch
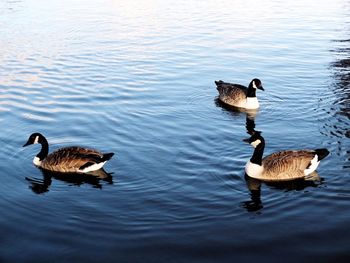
[254, 86]
[36, 140]
[255, 143]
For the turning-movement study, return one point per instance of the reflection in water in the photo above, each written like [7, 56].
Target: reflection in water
[255, 203]
[342, 68]
[40, 186]
[250, 124]
[250, 114]
[338, 123]
[254, 187]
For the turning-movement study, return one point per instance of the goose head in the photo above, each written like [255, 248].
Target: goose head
[34, 139]
[256, 84]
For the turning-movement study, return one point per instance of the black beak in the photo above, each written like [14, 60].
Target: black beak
[261, 88]
[26, 144]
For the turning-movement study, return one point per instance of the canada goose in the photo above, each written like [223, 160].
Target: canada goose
[238, 95]
[69, 159]
[284, 165]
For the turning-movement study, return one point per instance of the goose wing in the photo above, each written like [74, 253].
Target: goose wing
[287, 165]
[230, 93]
[70, 159]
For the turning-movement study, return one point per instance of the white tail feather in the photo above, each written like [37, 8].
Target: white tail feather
[93, 167]
[313, 165]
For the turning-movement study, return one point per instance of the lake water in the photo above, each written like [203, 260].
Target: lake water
[137, 78]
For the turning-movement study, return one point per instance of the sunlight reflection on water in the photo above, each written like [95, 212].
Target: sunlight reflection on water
[137, 78]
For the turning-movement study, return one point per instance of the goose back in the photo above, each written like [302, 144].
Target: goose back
[286, 165]
[70, 159]
[232, 94]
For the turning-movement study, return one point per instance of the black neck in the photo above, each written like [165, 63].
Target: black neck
[258, 154]
[44, 149]
[251, 92]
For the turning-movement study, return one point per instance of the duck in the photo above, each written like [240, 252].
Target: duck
[238, 95]
[284, 165]
[72, 159]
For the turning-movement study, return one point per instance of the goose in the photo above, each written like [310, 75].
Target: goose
[68, 159]
[284, 165]
[238, 95]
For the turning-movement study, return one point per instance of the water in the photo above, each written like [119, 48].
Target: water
[137, 78]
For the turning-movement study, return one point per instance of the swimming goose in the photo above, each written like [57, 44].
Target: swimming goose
[238, 95]
[69, 159]
[284, 165]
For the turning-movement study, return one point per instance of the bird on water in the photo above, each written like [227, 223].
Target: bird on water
[283, 165]
[72, 159]
[238, 95]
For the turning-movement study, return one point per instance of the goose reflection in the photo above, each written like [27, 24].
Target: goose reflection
[255, 203]
[40, 186]
[338, 122]
[235, 111]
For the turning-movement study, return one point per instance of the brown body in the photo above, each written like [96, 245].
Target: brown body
[70, 159]
[232, 94]
[286, 165]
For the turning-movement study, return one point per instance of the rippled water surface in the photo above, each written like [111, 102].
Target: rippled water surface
[137, 78]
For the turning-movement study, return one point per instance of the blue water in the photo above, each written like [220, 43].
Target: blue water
[137, 78]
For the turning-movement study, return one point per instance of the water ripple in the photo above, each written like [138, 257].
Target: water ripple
[137, 79]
